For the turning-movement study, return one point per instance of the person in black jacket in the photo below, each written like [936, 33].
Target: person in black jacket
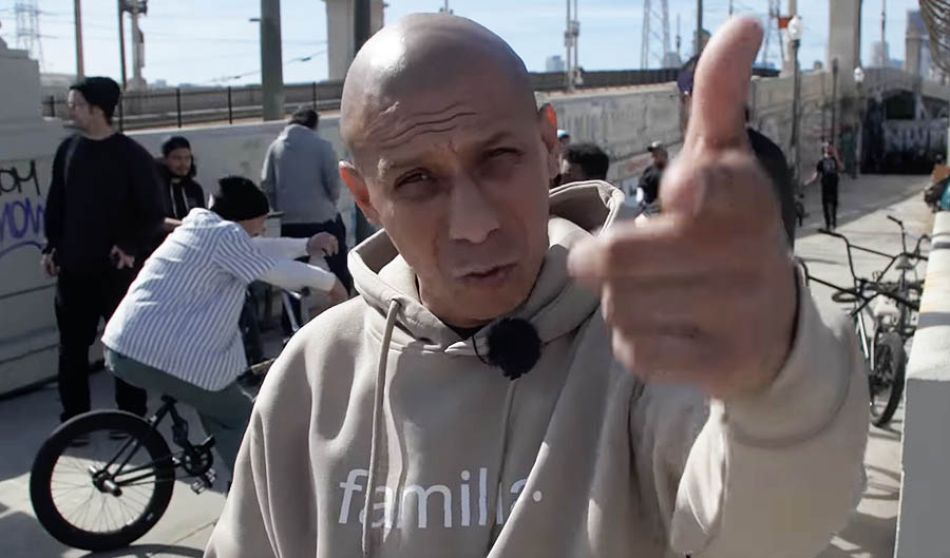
[768, 154]
[180, 192]
[102, 213]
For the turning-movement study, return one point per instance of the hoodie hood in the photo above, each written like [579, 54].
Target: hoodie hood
[555, 306]
[295, 135]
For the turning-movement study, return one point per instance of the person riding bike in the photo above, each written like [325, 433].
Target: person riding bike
[176, 331]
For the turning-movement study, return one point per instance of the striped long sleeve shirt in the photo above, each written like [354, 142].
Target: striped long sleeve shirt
[181, 313]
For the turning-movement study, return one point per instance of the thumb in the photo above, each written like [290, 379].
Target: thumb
[721, 87]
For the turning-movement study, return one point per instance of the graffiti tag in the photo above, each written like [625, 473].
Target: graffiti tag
[21, 209]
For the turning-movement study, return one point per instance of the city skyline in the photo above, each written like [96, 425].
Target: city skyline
[214, 42]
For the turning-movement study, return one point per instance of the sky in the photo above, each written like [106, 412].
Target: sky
[212, 42]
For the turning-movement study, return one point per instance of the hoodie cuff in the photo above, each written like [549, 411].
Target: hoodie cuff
[809, 390]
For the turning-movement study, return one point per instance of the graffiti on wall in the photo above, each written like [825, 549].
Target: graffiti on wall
[21, 208]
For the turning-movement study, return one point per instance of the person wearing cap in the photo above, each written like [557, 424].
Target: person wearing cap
[180, 192]
[650, 179]
[176, 332]
[103, 213]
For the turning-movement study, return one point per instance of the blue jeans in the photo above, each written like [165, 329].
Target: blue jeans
[224, 414]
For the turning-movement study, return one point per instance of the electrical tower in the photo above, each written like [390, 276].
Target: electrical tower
[656, 36]
[28, 29]
[773, 35]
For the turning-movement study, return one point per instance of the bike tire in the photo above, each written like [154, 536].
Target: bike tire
[898, 362]
[61, 440]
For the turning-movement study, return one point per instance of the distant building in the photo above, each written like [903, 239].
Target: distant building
[917, 46]
[554, 64]
[159, 84]
[880, 54]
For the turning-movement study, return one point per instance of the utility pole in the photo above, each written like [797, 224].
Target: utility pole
[571, 33]
[272, 62]
[77, 16]
[362, 228]
[361, 24]
[678, 38]
[730, 8]
[885, 56]
[125, 81]
[699, 26]
[445, 9]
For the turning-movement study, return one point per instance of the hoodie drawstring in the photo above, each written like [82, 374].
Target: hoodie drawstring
[377, 416]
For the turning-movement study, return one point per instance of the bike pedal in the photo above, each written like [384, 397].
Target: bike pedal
[198, 486]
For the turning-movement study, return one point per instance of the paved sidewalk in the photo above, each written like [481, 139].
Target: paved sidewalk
[183, 531]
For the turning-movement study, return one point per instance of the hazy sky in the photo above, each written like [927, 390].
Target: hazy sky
[207, 41]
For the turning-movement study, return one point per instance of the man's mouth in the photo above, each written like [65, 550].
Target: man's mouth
[487, 276]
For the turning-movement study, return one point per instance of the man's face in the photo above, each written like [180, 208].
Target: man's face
[571, 172]
[254, 227]
[178, 162]
[80, 111]
[458, 176]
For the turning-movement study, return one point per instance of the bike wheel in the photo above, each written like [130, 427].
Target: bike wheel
[886, 380]
[108, 490]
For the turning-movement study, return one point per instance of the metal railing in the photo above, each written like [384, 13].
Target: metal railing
[194, 105]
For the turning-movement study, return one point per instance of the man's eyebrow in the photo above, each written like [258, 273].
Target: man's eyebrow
[389, 166]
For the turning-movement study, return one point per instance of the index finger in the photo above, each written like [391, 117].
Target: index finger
[717, 118]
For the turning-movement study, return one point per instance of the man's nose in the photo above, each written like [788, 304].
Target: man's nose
[472, 217]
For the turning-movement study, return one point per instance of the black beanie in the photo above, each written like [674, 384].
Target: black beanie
[172, 143]
[101, 92]
[239, 199]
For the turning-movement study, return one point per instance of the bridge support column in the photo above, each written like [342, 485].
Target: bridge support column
[340, 37]
[844, 38]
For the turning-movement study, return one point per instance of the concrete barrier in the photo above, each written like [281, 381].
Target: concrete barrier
[925, 488]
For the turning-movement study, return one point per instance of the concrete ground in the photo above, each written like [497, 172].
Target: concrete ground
[183, 531]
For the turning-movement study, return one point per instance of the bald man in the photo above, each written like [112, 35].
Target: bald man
[509, 384]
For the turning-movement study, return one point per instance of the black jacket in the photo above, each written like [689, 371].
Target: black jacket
[772, 159]
[103, 193]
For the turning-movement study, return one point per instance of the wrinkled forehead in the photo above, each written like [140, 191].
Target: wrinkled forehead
[408, 115]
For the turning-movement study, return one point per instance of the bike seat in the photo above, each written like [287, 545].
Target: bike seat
[169, 399]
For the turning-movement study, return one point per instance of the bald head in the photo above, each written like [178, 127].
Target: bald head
[425, 53]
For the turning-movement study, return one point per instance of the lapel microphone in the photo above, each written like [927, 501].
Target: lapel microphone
[513, 346]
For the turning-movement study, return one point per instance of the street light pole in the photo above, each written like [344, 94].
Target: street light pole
[795, 34]
[859, 129]
[699, 26]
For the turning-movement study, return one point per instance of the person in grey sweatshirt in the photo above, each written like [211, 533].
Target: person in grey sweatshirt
[301, 179]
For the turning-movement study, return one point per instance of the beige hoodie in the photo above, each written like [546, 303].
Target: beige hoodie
[575, 458]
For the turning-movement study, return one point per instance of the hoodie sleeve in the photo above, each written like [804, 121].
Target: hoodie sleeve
[777, 473]
[271, 507]
[267, 178]
[331, 174]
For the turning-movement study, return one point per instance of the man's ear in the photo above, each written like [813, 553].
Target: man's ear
[547, 127]
[357, 186]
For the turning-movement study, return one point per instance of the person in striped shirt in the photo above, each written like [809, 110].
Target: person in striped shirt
[176, 331]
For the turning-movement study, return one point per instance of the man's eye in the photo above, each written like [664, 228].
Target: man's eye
[502, 152]
[415, 177]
